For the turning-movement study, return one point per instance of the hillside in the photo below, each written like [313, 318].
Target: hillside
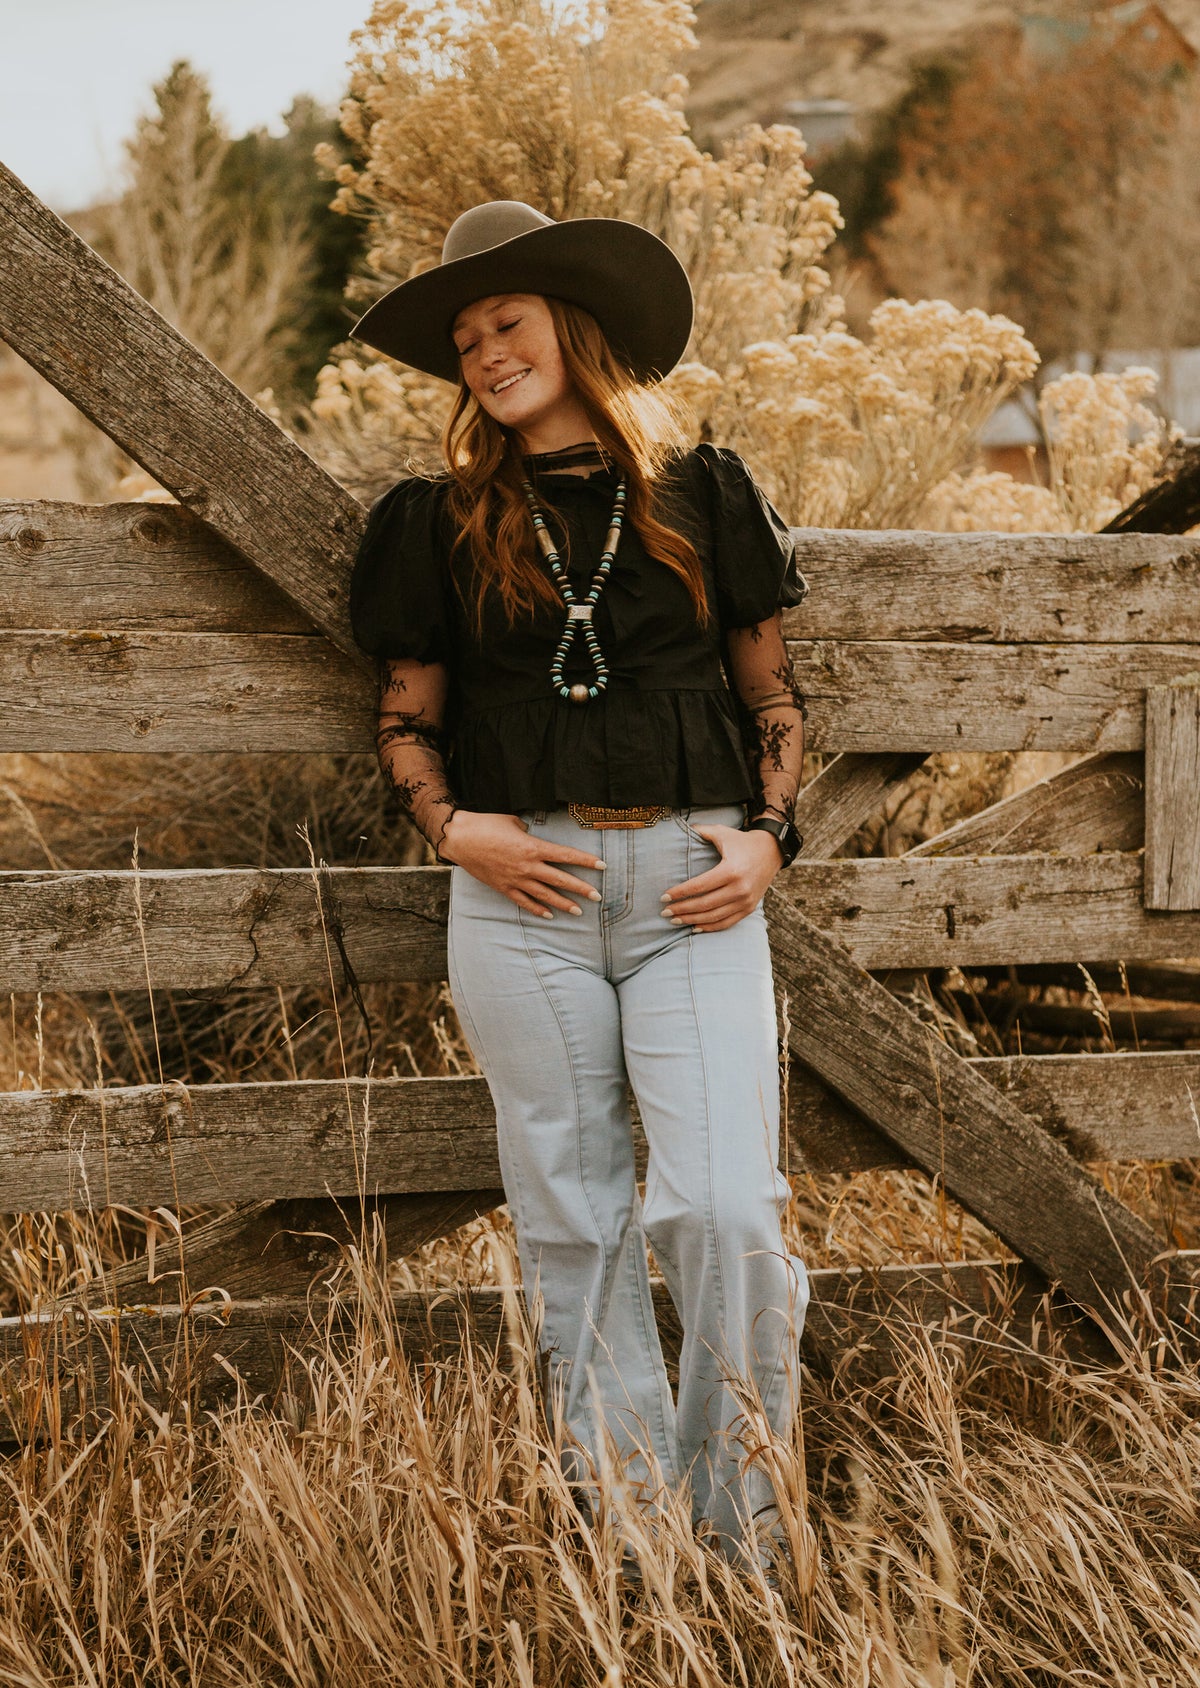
[755, 55]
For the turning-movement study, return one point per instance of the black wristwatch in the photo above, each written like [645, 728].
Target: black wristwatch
[783, 832]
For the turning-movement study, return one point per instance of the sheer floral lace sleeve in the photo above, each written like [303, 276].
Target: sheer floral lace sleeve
[411, 742]
[771, 710]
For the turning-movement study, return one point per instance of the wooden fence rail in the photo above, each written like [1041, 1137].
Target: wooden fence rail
[205, 929]
[219, 625]
[152, 1145]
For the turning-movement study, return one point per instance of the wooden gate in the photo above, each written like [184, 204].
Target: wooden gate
[220, 624]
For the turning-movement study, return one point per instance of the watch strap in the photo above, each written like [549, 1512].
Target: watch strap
[783, 832]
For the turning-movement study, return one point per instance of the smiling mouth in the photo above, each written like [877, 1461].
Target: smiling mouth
[510, 381]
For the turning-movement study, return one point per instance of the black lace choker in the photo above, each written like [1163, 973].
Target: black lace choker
[585, 454]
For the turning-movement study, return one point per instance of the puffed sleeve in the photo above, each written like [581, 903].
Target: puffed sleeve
[399, 586]
[753, 552]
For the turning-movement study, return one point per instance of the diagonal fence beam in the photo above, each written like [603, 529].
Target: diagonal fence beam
[992, 1157]
[846, 792]
[1094, 804]
[82, 326]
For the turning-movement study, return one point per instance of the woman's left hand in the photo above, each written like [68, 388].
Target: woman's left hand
[728, 892]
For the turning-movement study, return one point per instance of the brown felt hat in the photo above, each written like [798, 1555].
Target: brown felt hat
[629, 279]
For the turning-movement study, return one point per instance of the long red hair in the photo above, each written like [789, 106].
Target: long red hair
[634, 425]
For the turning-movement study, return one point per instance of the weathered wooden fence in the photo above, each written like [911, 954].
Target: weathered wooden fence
[220, 625]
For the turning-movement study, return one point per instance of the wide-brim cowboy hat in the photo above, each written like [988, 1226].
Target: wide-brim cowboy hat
[629, 279]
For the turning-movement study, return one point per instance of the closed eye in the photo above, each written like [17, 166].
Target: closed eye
[470, 346]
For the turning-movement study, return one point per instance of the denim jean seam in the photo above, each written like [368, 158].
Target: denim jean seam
[692, 939]
[789, 1338]
[615, 916]
[648, 1348]
[677, 815]
[514, 1197]
[595, 1317]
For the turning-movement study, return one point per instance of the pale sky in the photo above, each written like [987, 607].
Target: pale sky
[75, 75]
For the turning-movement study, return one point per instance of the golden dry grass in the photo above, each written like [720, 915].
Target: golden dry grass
[968, 1517]
[963, 1519]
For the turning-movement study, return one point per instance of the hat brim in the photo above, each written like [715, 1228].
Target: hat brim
[629, 279]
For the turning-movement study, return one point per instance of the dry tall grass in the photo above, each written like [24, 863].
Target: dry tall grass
[969, 1517]
[964, 1519]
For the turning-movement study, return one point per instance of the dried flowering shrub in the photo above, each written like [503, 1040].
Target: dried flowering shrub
[372, 418]
[852, 433]
[579, 109]
[1105, 447]
[1105, 444]
[982, 500]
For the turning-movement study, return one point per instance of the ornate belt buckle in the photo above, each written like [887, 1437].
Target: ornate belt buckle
[611, 820]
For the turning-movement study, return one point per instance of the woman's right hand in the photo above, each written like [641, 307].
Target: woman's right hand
[497, 850]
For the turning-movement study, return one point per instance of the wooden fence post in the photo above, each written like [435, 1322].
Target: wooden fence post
[1173, 794]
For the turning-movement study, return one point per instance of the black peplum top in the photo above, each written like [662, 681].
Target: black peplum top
[666, 730]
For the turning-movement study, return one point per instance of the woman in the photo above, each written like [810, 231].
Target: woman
[555, 617]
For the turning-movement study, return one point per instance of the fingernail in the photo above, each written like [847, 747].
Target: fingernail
[665, 898]
[677, 920]
[600, 864]
[574, 910]
[595, 896]
[546, 915]
[666, 914]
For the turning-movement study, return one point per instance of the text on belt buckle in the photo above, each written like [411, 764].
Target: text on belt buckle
[609, 820]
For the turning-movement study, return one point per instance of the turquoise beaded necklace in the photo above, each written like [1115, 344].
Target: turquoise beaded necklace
[579, 612]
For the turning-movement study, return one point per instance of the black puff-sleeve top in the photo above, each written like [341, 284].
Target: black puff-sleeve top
[666, 729]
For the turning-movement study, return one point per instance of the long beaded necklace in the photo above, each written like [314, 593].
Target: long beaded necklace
[579, 612]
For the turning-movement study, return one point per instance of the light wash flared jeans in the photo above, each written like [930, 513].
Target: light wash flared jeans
[560, 1014]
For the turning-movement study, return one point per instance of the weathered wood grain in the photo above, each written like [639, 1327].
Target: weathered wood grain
[212, 929]
[244, 1142]
[998, 588]
[1128, 1106]
[139, 566]
[987, 910]
[990, 1155]
[215, 929]
[857, 1318]
[1108, 1107]
[832, 807]
[130, 568]
[174, 412]
[889, 695]
[1173, 795]
[91, 691]
[305, 1142]
[277, 1248]
[1095, 804]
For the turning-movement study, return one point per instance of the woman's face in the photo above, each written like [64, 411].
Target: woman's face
[511, 361]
